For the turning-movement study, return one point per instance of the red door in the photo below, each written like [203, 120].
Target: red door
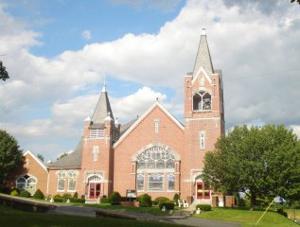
[95, 189]
[203, 191]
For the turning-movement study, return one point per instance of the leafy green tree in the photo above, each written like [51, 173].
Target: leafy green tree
[41, 157]
[11, 157]
[261, 162]
[3, 73]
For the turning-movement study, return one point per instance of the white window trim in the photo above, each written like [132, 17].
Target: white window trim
[60, 190]
[141, 190]
[163, 185]
[156, 126]
[95, 153]
[170, 190]
[68, 189]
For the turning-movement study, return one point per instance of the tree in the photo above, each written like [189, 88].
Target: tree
[11, 157]
[41, 157]
[261, 162]
[292, 1]
[3, 73]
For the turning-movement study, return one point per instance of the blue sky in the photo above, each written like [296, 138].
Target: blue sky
[61, 22]
[58, 53]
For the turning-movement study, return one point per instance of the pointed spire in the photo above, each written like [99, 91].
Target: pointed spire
[103, 108]
[203, 58]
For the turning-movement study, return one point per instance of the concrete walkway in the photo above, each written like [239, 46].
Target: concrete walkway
[180, 220]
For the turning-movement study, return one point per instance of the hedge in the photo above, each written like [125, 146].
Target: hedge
[38, 194]
[145, 200]
[168, 205]
[204, 207]
[25, 194]
[160, 200]
[115, 198]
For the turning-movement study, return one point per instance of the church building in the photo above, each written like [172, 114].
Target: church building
[154, 154]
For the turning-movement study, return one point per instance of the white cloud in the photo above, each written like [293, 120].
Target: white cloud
[86, 34]
[257, 48]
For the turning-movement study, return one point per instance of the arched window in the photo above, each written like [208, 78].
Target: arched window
[27, 183]
[202, 101]
[171, 182]
[94, 179]
[155, 157]
[140, 182]
[156, 166]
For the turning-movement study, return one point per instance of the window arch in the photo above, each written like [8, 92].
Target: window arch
[27, 183]
[202, 101]
[155, 157]
[155, 169]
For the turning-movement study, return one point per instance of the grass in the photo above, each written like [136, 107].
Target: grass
[150, 210]
[248, 218]
[16, 218]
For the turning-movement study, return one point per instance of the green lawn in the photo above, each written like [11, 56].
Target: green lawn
[12, 217]
[248, 218]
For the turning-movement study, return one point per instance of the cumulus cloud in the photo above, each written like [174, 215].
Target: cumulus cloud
[86, 34]
[255, 45]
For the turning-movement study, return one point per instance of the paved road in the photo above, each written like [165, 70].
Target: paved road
[187, 221]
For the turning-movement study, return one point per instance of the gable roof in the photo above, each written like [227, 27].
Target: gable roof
[203, 58]
[103, 108]
[36, 159]
[70, 161]
[136, 123]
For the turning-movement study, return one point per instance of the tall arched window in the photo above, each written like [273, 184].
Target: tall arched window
[202, 101]
[27, 183]
[155, 165]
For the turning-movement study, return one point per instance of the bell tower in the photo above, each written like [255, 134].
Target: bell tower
[203, 113]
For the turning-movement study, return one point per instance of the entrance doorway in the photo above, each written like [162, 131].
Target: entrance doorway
[95, 189]
[202, 191]
[94, 186]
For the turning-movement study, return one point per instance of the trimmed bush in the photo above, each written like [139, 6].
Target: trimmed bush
[160, 200]
[75, 195]
[77, 200]
[38, 194]
[25, 194]
[145, 200]
[58, 198]
[67, 196]
[14, 192]
[282, 212]
[168, 205]
[115, 198]
[176, 197]
[204, 207]
[104, 199]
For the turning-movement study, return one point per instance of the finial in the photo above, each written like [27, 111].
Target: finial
[156, 99]
[104, 85]
[203, 32]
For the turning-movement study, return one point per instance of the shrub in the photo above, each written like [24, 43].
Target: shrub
[58, 198]
[104, 199]
[25, 194]
[168, 205]
[160, 200]
[176, 197]
[75, 196]
[145, 200]
[77, 200]
[14, 192]
[66, 196]
[204, 207]
[115, 198]
[282, 212]
[39, 194]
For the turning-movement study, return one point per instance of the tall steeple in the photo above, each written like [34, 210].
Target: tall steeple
[103, 108]
[203, 58]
